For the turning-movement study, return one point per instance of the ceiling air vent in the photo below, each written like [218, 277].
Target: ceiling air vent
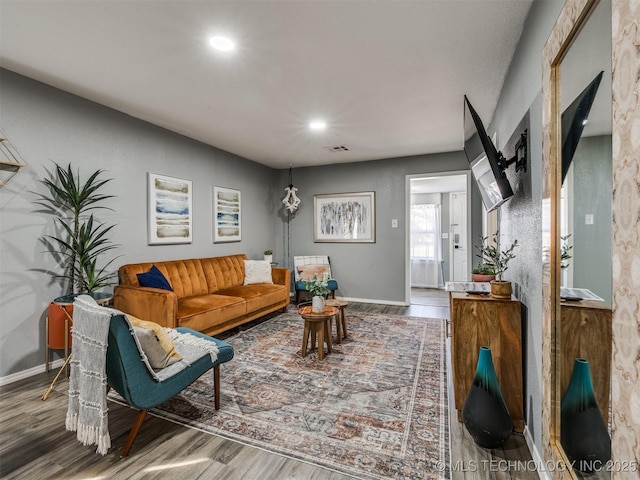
[338, 148]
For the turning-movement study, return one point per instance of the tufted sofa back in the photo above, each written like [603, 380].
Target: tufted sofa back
[196, 276]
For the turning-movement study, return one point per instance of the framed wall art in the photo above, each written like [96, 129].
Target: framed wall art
[170, 210]
[344, 217]
[227, 210]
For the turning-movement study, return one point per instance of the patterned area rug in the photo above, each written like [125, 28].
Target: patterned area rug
[375, 408]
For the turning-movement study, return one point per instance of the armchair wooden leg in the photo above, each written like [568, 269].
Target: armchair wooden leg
[134, 433]
[216, 386]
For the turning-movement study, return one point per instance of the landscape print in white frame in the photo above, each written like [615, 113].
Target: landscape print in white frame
[170, 213]
[344, 217]
[227, 221]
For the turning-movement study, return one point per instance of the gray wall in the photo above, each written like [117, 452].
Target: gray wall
[592, 183]
[521, 217]
[364, 271]
[46, 124]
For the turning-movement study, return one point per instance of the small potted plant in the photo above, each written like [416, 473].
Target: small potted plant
[483, 272]
[319, 288]
[268, 256]
[499, 259]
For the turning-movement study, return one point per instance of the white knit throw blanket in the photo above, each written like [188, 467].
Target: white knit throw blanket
[87, 410]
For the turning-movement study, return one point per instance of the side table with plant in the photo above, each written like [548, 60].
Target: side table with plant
[319, 288]
[490, 254]
[78, 243]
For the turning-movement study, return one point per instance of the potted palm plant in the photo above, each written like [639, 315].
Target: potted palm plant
[80, 237]
[80, 240]
[491, 254]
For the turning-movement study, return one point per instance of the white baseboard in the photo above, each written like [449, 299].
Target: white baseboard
[543, 473]
[14, 377]
[369, 300]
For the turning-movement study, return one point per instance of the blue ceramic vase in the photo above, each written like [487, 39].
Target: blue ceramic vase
[485, 413]
[583, 433]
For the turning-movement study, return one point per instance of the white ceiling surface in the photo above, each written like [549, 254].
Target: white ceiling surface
[387, 76]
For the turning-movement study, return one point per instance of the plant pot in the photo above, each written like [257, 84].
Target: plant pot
[60, 320]
[501, 289]
[268, 258]
[317, 304]
[481, 277]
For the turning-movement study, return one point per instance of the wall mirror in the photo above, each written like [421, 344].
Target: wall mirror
[583, 231]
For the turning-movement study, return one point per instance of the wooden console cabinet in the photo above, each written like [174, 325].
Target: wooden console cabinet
[585, 331]
[481, 320]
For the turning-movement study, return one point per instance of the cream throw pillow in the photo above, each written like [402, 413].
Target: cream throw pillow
[257, 271]
[155, 342]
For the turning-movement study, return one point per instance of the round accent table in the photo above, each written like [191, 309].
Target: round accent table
[318, 326]
[341, 321]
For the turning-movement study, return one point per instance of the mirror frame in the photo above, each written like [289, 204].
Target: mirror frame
[572, 18]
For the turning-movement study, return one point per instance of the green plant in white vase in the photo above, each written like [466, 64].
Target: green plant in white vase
[319, 288]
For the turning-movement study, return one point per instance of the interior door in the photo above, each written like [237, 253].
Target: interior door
[458, 236]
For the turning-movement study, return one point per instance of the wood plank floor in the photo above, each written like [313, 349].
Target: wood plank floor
[34, 443]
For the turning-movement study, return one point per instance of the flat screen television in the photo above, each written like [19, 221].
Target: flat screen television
[573, 120]
[485, 161]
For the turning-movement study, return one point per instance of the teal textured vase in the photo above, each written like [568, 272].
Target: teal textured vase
[485, 413]
[583, 433]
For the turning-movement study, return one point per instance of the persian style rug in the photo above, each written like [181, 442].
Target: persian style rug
[375, 408]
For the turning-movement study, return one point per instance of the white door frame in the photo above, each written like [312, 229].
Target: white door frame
[407, 233]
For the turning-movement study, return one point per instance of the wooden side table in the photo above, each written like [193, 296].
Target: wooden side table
[317, 325]
[341, 321]
[481, 320]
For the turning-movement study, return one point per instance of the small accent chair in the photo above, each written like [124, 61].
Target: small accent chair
[306, 266]
[128, 375]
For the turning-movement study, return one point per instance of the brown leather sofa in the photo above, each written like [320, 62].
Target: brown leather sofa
[208, 294]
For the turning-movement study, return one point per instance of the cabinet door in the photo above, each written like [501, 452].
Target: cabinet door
[494, 324]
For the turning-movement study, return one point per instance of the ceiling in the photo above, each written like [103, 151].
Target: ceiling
[387, 76]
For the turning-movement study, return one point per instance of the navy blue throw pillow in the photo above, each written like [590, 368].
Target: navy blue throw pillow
[154, 279]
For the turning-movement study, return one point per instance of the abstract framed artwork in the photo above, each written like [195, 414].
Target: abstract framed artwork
[344, 217]
[227, 210]
[170, 213]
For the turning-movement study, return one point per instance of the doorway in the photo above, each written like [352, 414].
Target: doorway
[437, 236]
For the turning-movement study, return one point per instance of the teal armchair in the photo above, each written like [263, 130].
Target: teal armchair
[128, 375]
[305, 267]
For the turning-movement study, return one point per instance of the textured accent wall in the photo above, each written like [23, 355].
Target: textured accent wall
[626, 233]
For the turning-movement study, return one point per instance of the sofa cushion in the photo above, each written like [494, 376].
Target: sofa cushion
[154, 279]
[203, 311]
[258, 296]
[257, 271]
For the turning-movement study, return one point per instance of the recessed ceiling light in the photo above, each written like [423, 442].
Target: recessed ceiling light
[223, 44]
[317, 125]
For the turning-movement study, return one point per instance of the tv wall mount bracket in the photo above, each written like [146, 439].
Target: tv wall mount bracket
[520, 157]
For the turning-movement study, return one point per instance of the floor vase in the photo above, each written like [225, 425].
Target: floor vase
[583, 433]
[485, 413]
